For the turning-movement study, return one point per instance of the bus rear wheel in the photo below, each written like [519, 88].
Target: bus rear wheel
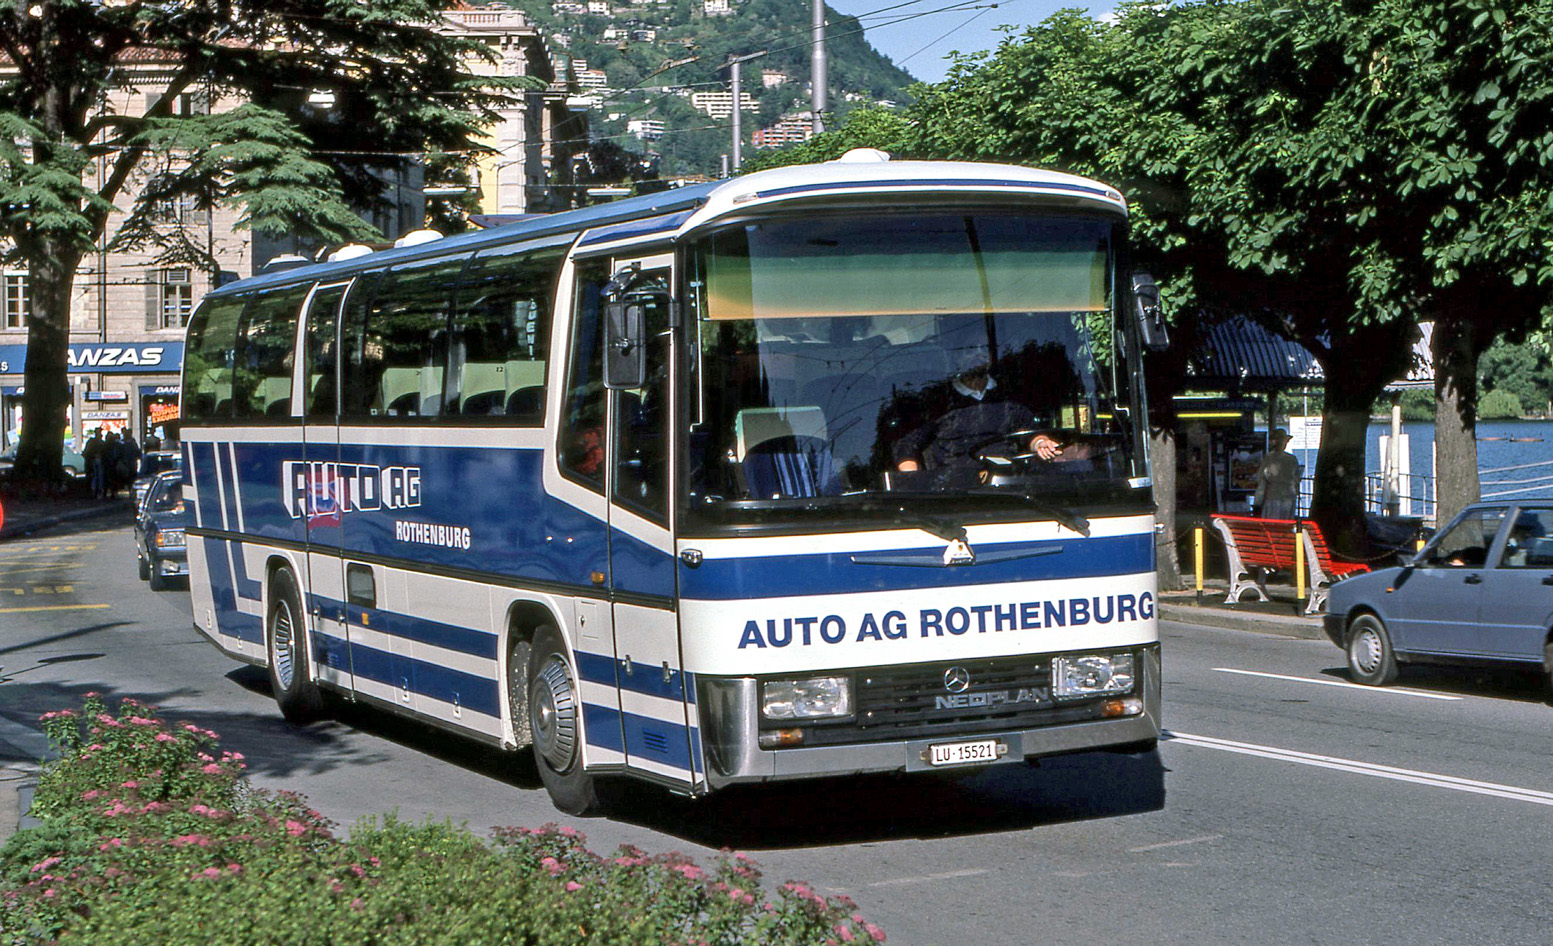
[286, 644]
[554, 717]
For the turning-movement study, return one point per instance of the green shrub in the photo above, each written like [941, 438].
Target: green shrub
[1499, 405]
[149, 836]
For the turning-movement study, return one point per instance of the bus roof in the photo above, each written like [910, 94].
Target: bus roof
[856, 173]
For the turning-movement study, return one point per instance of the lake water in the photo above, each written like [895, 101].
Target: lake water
[1501, 443]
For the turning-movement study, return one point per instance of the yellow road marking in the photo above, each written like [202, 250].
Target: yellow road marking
[13, 569]
[57, 607]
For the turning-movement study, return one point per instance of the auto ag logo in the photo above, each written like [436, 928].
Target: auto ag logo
[957, 679]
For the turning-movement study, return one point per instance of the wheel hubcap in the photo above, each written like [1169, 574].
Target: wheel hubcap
[285, 644]
[553, 714]
[1366, 650]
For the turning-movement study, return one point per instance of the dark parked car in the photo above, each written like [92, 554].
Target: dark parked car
[152, 465]
[74, 464]
[1480, 592]
[159, 538]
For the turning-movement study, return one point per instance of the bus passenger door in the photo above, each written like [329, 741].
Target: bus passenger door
[653, 689]
[313, 490]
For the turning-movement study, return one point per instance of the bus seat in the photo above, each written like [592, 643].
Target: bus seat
[791, 466]
[280, 407]
[527, 402]
[756, 425]
[486, 402]
[405, 405]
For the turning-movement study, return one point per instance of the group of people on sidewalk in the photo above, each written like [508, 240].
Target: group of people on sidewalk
[113, 462]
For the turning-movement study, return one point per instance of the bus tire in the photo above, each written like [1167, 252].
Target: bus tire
[285, 636]
[554, 714]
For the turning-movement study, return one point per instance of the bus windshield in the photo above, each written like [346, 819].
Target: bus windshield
[948, 361]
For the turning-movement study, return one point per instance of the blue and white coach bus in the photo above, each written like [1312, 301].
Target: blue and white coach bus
[652, 486]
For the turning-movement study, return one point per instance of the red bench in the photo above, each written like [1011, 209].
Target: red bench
[1258, 546]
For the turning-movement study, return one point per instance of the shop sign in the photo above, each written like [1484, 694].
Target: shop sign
[107, 395]
[106, 357]
[104, 415]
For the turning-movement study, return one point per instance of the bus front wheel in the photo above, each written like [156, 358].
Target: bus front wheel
[285, 641]
[554, 716]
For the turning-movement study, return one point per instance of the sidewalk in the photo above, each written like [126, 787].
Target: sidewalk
[21, 747]
[24, 517]
[1282, 615]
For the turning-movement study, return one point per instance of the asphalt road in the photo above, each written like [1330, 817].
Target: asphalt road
[1288, 807]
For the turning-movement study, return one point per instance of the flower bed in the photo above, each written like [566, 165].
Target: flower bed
[149, 834]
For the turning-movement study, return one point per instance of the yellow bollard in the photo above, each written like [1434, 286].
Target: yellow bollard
[1197, 552]
[1299, 566]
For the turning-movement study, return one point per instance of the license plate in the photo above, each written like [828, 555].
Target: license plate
[963, 753]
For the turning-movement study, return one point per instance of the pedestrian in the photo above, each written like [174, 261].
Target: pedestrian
[95, 456]
[1277, 479]
[113, 456]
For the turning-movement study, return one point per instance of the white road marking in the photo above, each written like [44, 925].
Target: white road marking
[1395, 691]
[927, 878]
[1366, 768]
[1164, 844]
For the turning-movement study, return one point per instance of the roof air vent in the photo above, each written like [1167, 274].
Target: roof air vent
[284, 262]
[416, 237]
[349, 251]
[863, 156]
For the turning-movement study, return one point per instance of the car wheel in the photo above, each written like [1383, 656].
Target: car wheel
[286, 643]
[1371, 660]
[554, 716]
[1547, 665]
[154, 575]
[145, 570]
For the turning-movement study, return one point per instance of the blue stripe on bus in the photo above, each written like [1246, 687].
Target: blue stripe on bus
[230, 622]
[464, 640]
[637, 228]
[657, 739]
[475, 693]
[643, 678]
[835, 573]
[602, 724]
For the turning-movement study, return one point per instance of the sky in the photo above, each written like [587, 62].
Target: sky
[920, 43]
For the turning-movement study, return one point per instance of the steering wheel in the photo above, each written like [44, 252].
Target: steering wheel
[1001, 460]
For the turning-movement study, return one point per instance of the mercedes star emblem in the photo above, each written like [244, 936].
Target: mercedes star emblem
[957, 679]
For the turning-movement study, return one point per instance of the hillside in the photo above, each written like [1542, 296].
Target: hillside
[622, 55]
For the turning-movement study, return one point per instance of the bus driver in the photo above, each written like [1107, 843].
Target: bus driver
[976, 415]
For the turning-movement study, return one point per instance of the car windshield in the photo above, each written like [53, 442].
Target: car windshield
[966, 359]
[166, 495]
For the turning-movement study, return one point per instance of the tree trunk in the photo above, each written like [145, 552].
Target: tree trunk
[1457, 343]
[1162, 468]
[51, 279]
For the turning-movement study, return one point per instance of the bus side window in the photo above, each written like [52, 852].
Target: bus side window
[207, 360]
[581, 446]
[641, 416]
[361, 356]
[322, 352]
[403, 356]
[266, 353]
[501, 337]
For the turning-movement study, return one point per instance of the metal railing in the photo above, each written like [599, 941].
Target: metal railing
[1415, 492]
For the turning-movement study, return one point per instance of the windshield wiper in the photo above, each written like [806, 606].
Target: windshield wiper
[1064, 517]
[901, 515]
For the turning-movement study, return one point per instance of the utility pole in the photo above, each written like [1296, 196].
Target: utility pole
[734, 62]
[818, 78]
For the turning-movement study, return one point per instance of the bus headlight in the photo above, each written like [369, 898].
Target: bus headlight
[170, 539]
[806, 698]
[1076, 678]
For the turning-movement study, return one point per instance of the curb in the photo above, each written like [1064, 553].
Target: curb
[1278, 625]
[21, 748]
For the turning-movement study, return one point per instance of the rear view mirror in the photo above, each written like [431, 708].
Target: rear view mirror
[1149, 313]
[625, 354]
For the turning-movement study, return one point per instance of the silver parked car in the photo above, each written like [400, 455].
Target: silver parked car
[1480, 592]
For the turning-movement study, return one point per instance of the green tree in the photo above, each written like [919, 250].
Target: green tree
[1522, 370]
[398, 84]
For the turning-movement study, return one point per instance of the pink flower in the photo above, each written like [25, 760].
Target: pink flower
[142, 721]
[110, 844]
[573, 886]
[874, 931]
[335, 886]
[45, 864]
[51, 892]
[357, 904]
[568, 831]
[295, 828]
[183, 840]
[130, 784]
[166, 737]
[211, 769]
[212, 872]
[107, 720]
[552, 865]
[691, 871]
[96, 747]
[231, 757]
[88, 796]
[845, 932]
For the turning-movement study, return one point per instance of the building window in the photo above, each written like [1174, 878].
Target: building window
[176, 292]
[18, 302]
